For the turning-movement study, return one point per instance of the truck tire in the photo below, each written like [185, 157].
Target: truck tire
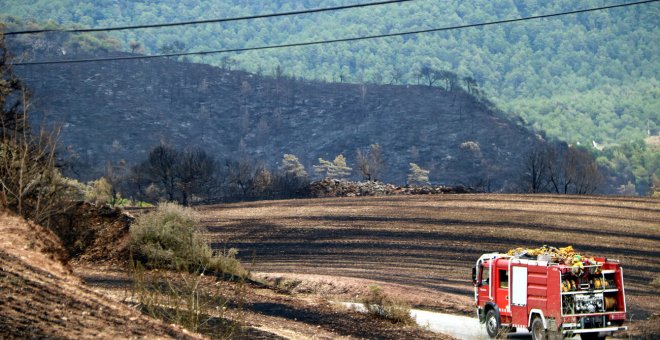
[538, 330]
[492, 324]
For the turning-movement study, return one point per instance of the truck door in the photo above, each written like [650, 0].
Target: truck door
[483, 284]
[502, 288]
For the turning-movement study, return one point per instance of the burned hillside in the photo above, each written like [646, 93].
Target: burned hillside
[119, 110]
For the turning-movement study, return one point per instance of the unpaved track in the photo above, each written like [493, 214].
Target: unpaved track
[426, 245]
[458, 326]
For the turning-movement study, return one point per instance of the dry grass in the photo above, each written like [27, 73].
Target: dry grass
[380, 305]
[183, 299]
[428, 244]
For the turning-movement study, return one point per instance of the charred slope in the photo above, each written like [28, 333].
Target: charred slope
[114, 111]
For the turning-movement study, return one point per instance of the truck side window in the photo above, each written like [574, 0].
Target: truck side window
[504, 278]
[485, 275]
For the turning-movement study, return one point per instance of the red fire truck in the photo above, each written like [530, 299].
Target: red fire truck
[550, 298]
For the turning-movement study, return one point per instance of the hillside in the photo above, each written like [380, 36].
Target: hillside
[41, 298]
[117, 111]
[422, 247]
[583, 78]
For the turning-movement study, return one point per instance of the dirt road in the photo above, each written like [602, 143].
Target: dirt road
[458, 326]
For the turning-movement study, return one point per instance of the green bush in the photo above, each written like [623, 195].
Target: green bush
[99, 191]
[170, 238]
[380, 305]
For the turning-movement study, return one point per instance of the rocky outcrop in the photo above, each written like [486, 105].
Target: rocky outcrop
[329, 187]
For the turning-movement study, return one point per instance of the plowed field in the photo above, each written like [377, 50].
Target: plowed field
[422, 247]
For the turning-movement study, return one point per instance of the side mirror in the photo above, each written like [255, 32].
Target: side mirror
[474, 276]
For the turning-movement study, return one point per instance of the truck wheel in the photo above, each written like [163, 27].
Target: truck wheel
[538, 331]
[492, 324]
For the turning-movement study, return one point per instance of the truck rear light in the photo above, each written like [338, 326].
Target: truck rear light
[617, 316]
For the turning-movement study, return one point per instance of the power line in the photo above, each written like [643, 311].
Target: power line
[332, 41]
[209, 21]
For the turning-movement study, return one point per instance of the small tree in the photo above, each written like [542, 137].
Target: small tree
[291, 178]
[450, 78]
[195, 172]
[263, 181]
[627, 189]
[178, 175]
[471, 84]
[161, 168]
[371, 163]
[240, 176]
[655, 186]
[561, 169]
[291, 166]
[136, 47]
[30, 182]
[99, 191]
[430, 74]
[573, 170]
[587, 176]
[334, 169]
[417, 175]
[536, 171]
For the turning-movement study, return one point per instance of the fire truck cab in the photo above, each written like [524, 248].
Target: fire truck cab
[552, 300]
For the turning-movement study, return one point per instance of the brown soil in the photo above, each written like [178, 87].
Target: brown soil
[260, 310]
[40, 298]
[94, 233]
[263, 312]
[422, 248]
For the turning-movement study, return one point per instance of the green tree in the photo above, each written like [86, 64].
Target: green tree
[291, 166]
[335, 169]
[417, 175]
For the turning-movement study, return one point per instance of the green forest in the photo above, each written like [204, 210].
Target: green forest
[588, 79]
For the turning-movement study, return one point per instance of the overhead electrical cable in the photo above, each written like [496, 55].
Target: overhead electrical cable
[209, 21]
[332, 41]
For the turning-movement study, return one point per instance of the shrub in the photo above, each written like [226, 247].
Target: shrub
[380, 305]
[169, 238]
[99, 191]
[656, 282]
